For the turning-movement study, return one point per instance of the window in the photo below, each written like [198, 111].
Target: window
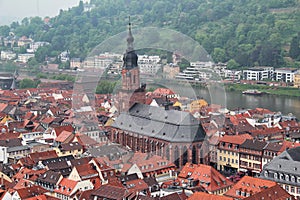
[292, 189]
[232, 160]
[280, 176]
[266, 174]
[287, 178]
[220, 158]
[293, 179]
[224, 159]
[275, 175]
[298, 190]
[287, 188]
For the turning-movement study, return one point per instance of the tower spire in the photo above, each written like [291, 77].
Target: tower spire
[130, 38]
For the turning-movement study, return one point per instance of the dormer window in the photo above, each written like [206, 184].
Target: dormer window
[293, 179]
[266, 174]
[287, 177]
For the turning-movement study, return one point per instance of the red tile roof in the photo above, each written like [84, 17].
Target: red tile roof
[86, 171]
[66, 186]
[249, 184]
[235, 139]
[29, 192]
[136, 185]
[205, 196]
[209, 178]
[272, 193]
[38, 156]
[111, 192]
[64, 137]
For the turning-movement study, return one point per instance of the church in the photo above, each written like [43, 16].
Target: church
[131, 90]
[173, 134]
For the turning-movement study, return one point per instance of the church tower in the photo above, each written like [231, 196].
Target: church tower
[131, 90]
[130, 70]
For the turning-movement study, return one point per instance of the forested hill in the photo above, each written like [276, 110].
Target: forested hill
[243, 32]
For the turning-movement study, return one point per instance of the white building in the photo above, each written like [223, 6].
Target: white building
[149, 64]
[285, 74]
[232, 74]
[24, 57]
[8, 55]
[102, 60]
[258, 73]
[35, 45]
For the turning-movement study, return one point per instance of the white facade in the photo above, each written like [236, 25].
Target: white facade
[102, 60]
[149, 64]
[258, 73]
[8, 55]
[285, 75]
[24, 57]
[35, 45]
[3, 154]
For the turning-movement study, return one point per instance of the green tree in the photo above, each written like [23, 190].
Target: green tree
[232, 64]
[219, 55]
[28, 83]
[294, 51]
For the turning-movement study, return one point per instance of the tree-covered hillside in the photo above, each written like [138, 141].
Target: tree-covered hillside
[243, 32]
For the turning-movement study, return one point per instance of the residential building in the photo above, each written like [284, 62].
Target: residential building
[75, 63]
[258, 73]
[148, 165]
[170, 71]
[286, 75]
[297, 80]
[149, 65]
[24, 41]
[228, 152]
[271, 150]
[49, 180]
[197, 105]
[12, 149]
[205, 196]
[285, 170]
[35, 45]
[23, 58]
[66, 189]
[111, 192]
[251, 152]
[72, 148]
[271, 193]
[205, 176]
[248, 186]
[8, 55]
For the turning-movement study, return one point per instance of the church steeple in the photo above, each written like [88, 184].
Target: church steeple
[130, 58]
[130, 38]
[131, 90]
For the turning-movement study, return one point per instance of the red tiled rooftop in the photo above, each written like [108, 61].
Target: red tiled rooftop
[205, 196]
[235, 139]
[252, 185]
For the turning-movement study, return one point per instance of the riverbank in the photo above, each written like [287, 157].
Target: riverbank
[272, 90]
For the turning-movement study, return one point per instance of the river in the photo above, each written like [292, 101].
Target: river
[237, 100]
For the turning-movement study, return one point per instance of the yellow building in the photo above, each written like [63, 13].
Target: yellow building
[66, 149]
[297, 80]
[228, 152]
[197, 105]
